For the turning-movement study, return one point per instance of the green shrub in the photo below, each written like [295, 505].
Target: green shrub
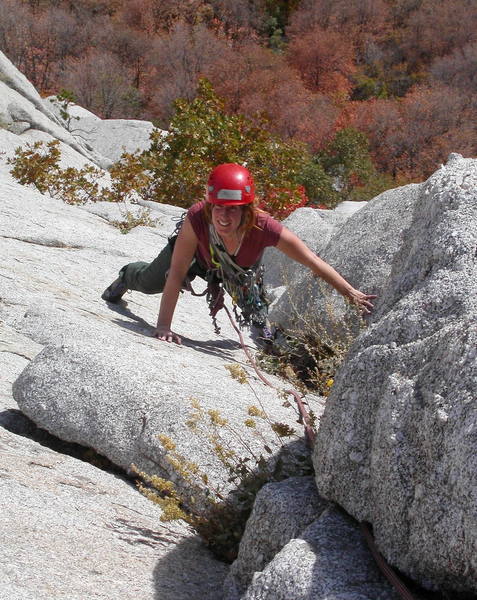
[366, 87]
[312, 349]
[39, 164]
[202, 135]
[319, 185]
[347, 160]
[129, 177]
[131, 220]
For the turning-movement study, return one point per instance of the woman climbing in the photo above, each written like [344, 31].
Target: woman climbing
[222, 240]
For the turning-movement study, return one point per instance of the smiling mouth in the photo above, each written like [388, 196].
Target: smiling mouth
[223, 224]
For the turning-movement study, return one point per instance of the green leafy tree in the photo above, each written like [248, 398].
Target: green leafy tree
[202, 135]
[319, 186]
[347, 160]
[64, 99]
[366, 87]
[279, 12]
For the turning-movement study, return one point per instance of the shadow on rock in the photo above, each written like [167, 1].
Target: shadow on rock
[138, 325]
[16, 422]
[189, 571]
[218, 518]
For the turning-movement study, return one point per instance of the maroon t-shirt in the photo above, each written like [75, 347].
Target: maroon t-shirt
[266, 232]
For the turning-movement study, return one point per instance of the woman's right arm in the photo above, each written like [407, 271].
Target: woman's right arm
[184, 249]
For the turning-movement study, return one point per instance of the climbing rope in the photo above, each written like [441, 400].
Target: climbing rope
[385, 569]
[304, 416]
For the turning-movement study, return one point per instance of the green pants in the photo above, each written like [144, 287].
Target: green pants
[150, 278]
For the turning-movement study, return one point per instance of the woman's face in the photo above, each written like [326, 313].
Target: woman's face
[226, 219]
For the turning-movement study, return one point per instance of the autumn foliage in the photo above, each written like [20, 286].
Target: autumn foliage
[402, 72]
[324, 59]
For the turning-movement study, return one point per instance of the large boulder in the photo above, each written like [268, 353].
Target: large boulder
[117, 395]
[296, 545]
[397, 445]
[22, 112]
[361, 250]
[113, 137]
[280, 513]
[315, 227]
[329, 560]
[108, 137]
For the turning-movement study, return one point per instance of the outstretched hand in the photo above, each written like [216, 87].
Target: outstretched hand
[361, 300]
[166, 335]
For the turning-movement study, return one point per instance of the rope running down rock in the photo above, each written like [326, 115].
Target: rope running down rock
[304, 416]
[385, 569]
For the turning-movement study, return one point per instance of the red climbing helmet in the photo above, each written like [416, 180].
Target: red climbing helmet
[230, 184]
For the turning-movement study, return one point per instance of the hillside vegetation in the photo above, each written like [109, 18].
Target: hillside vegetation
[399, 72]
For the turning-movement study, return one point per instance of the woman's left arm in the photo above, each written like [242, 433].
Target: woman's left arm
[296, 249]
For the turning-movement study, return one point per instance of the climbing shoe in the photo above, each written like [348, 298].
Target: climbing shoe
[115, 291]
